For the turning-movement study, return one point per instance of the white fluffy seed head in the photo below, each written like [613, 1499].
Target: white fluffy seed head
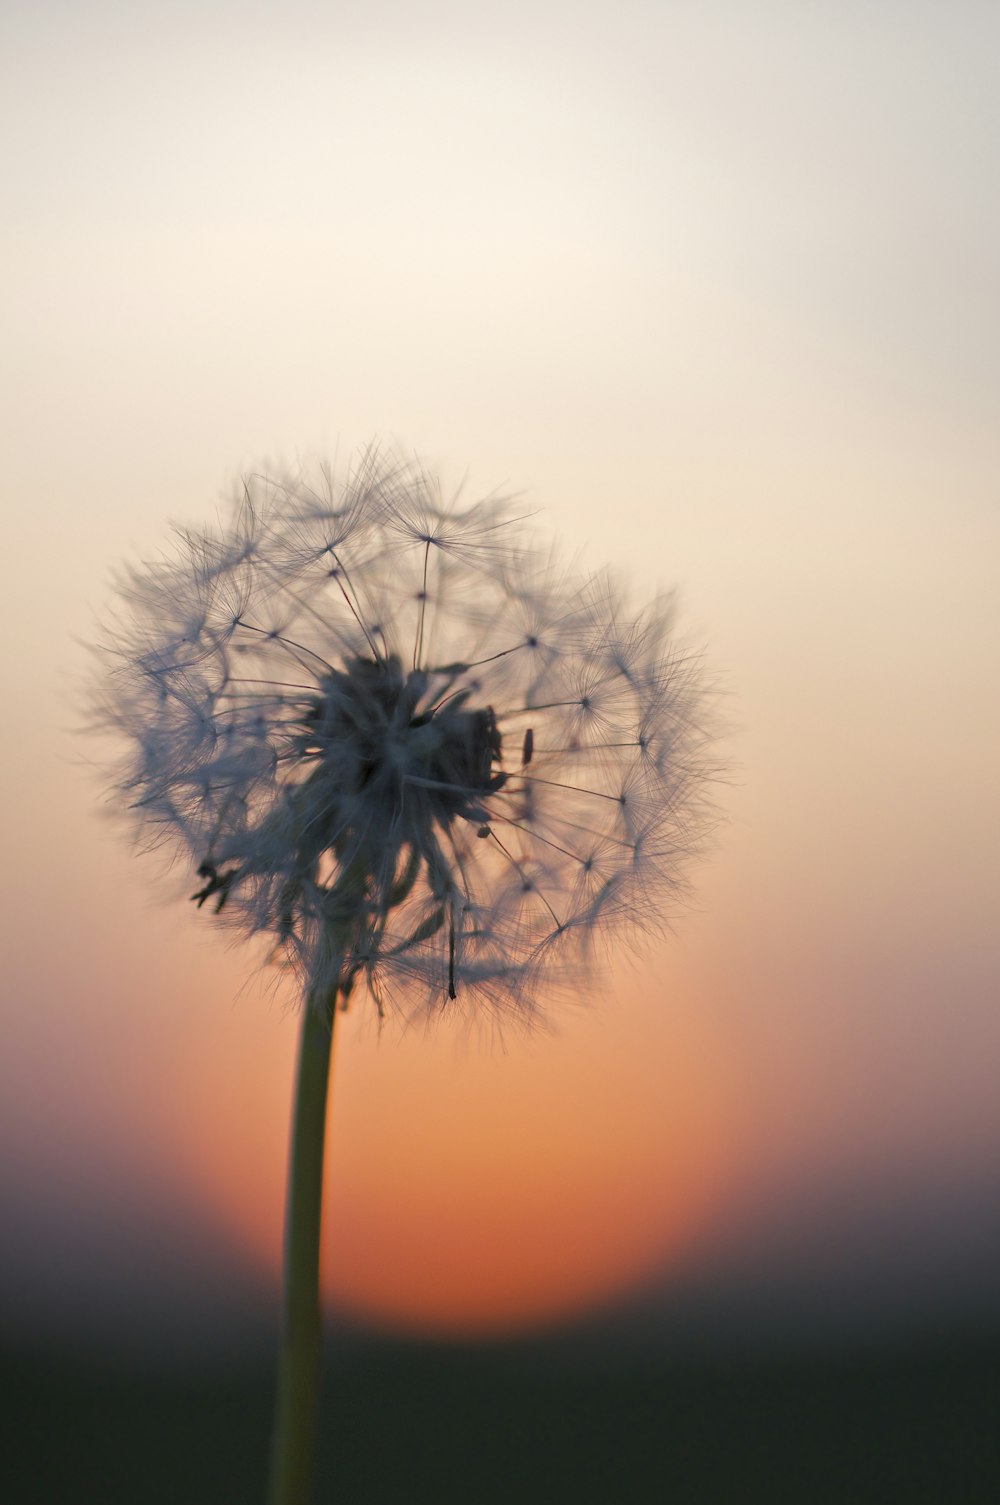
[390, 735]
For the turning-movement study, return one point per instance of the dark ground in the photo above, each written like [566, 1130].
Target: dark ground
[908, 1421]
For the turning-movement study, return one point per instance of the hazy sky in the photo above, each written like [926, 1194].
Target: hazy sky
[715, 286]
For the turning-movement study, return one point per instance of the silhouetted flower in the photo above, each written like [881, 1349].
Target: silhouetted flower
[396, 738]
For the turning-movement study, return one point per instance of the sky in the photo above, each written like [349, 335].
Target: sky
[714, 288]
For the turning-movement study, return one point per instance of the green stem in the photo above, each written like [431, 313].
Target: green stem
[293, 1447]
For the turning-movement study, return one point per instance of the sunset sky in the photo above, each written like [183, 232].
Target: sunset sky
[714, 287]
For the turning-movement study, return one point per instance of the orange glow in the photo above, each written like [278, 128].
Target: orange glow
[472, 1192]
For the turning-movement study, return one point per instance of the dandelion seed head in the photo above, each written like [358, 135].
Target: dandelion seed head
[394, 739]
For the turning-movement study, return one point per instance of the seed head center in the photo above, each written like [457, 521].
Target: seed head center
[393, 759]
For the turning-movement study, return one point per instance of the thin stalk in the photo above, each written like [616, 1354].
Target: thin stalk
[293, 1447]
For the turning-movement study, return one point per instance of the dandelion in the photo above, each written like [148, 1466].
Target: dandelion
[397, 742]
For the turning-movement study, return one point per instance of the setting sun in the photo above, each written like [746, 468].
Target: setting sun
[464, 1198]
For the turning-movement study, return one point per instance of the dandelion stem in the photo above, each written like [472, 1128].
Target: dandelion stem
[293, 1446]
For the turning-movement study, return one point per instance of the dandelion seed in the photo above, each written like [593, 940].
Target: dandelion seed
[393, 740]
